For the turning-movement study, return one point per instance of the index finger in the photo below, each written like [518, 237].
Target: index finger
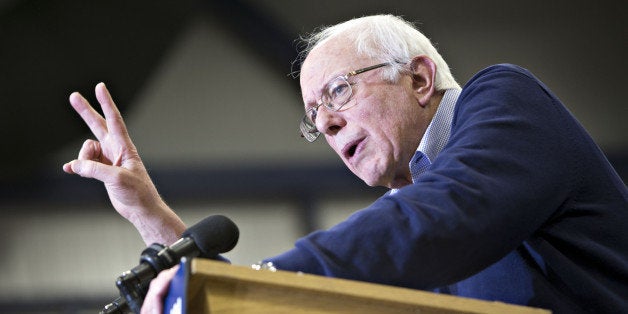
[113, 118]
[92, 118]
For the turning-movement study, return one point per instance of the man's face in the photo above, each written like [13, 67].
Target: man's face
[377, 137]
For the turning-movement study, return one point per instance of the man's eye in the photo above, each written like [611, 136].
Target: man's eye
[312, 115]
[338, 91]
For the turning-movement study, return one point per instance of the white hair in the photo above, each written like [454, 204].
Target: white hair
[386, 38]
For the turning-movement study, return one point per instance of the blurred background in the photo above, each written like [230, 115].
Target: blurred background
[205, 89]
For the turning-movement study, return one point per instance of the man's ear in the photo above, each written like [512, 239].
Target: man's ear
[423, 71]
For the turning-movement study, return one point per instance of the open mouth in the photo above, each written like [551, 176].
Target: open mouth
[352, 148]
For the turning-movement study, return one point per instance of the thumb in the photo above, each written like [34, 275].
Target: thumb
[90, 169]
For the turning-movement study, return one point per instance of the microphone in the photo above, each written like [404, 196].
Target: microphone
[208, 238]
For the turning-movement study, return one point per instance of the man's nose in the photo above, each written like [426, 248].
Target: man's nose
[329, 122]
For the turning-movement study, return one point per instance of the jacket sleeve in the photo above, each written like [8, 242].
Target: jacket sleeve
[504, 173]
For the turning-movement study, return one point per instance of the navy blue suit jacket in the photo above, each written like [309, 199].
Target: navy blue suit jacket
[521, 206]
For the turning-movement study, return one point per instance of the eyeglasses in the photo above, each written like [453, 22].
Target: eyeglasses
[336, 95]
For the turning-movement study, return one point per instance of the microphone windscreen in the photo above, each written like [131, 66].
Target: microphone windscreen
[214, 235]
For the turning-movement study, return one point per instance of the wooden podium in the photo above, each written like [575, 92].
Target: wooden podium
[205, 286]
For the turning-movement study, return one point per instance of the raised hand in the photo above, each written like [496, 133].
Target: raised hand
[114, 160]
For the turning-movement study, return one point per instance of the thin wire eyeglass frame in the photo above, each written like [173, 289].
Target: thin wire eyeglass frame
[307, 127]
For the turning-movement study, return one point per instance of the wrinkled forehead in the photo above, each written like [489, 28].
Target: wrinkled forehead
[324, 63]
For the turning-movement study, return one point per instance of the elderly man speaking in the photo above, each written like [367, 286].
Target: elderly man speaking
[497, 192]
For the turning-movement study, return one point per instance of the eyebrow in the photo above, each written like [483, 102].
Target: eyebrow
[321, 91]
[311, 104]
[333, 77]
[339, 74]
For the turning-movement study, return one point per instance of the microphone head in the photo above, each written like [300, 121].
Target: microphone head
[214, 235]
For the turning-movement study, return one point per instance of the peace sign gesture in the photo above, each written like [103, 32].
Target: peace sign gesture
[114, 160]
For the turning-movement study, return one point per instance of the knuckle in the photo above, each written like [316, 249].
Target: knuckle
[118, 177]
[89, 143]
[89, 149]
[89, 169]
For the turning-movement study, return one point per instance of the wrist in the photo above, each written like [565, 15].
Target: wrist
[158, 225]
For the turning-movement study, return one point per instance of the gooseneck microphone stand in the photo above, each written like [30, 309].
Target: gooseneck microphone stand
[133, 284]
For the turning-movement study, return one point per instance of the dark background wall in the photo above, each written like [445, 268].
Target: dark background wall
[50, 48]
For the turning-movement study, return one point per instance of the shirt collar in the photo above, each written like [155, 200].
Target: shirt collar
[436, 135]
